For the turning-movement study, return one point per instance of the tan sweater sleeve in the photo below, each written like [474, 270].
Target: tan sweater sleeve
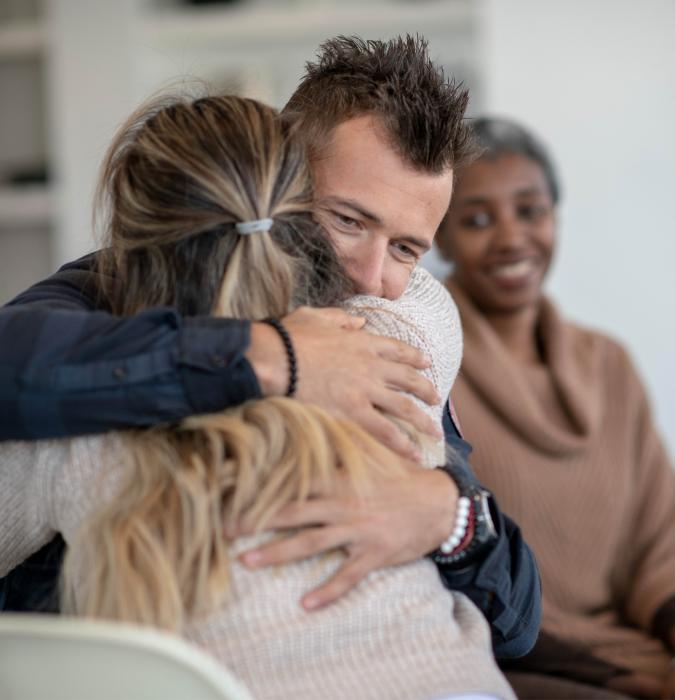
[25, 500]
[651, 555]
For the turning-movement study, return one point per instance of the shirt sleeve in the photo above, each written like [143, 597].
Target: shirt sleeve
[505, 584]
[66, 369]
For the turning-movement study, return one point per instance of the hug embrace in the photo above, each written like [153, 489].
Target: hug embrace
[233, 419]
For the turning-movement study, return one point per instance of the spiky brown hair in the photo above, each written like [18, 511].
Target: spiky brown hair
[421, 110]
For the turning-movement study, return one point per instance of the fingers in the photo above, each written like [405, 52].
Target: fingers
[310, 513]
[320, 511]
[328, 316]
[382, 429]
[402, 407]
[404, 378]
[309, 543]
[337, 317]
[302, 545]
[347, 577]
[398, 351]
[353, 323]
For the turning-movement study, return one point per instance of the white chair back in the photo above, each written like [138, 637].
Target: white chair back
[47, 657]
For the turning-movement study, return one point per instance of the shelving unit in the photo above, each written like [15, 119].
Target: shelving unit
[22, 38]
[194, 28]
[269, 43]
[26, 206]
[26, 203]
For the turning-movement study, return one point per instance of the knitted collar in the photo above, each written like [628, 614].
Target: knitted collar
[573, 359]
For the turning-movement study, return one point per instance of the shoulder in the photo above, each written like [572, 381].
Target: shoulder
[75, 285]
[612, 358]
[40, 473]
[611, 348]
[425, 289]
[82, 473]
[424, 305]
[429, 304]
[63, 464]
[425, 317]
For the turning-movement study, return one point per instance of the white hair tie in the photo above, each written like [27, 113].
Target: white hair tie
[246, 228]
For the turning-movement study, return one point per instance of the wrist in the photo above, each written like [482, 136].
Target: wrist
[446, 496]
[480, 534]
[291, 359]
[267, 356]
[463, 530]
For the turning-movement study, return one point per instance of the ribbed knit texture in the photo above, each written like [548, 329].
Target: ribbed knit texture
[571, 452]
[417, 319]
[399, 635]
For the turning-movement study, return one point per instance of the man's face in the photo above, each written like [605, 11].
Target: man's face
[380, 213]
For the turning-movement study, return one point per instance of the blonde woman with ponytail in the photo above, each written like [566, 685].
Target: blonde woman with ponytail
[207, 207]
[179, 179]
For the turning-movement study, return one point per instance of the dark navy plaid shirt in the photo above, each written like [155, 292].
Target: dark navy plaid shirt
[68, 367]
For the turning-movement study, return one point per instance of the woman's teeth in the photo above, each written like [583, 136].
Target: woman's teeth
[513, 270]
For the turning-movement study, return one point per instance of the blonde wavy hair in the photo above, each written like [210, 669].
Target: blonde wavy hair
[157, 553]
[178, 176]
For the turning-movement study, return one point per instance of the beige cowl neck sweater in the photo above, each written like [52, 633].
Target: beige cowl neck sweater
[571, 453]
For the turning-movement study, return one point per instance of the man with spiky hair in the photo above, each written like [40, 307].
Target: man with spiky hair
[385, 132]
[394, 82]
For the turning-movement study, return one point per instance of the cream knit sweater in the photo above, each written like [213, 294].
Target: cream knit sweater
[399, 634]
[571, 453]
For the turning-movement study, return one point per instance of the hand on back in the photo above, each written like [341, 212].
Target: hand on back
[356, 375]
[347, 371]
[407, 514]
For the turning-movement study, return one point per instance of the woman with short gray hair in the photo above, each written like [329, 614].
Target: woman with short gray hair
[562, 434]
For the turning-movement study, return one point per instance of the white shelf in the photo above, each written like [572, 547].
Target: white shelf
[204, 26]
[20, 39]
[26, 205]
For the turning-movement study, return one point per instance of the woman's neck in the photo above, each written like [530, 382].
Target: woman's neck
[518, 332]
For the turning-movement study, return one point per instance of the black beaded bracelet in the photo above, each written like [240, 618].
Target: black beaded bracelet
[290, 354]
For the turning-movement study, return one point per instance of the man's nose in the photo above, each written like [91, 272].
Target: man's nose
[370, 272]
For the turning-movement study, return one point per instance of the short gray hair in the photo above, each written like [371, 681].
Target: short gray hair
[495, 136]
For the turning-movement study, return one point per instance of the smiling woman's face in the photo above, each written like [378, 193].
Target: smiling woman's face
[500, 232]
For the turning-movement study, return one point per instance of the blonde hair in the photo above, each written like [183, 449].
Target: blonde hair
[157, 554]
[177, 178]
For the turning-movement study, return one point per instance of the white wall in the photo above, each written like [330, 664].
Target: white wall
[92, 57]
[596, 79]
